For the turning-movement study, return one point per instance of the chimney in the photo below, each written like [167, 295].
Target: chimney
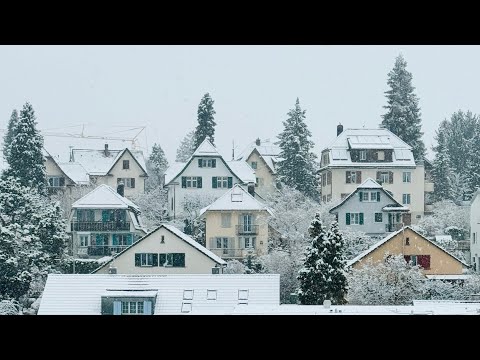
[121, 188]
[106, 152]
[251, 189]
[339, 129]
[71, 154]
[257, 142]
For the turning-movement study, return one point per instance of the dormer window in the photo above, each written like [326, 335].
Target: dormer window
[207, 163]
[363, 155]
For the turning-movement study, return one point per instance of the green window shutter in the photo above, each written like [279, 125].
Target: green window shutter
[214, 182]
[359, 177]
[378, 196]
[347, 218]
[214, 163]
[137, 259]
[114, 239]
[230, 182]
[361, 218]
[184, 182]
[129, 239]
[62, 181]
[132, 181]
[361, 195]
[155, 260]
[348, 177]
[199, 163]
[199, 182]
[378, 177]
[390, 177]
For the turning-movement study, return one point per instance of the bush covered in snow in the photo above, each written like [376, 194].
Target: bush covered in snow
[9, 307]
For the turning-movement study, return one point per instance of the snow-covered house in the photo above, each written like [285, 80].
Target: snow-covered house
[475, 231]
[357, 154]
[103, 223]
[63, 175]
[165, 250]
[433, 259]
[371, 209]
[263, 158]
[205, 176]
[116, 294]
[236, 225]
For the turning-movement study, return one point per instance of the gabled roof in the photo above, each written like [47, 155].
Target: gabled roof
[242, 170]
[371, 184]
[236, 199]
[75, 171]
[391, 236]
[268, 151]
[206, 148]
[177, 233]
[104, 197]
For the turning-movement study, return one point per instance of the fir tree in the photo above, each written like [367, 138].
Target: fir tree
[10, 134]
[297, 168]
[157, 164]
[442, 172]
[472, 172]
[403, 114]
[25, 155]
[186, 148]
[322, 276]
[206, 124]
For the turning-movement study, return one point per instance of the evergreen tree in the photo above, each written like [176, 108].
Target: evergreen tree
[403, 114]
[25, 155]
[297, 168]
[206, 124]
[322, 276]
[472, 173]
[186, 148]
[157, 164]
[10, 134]
[442, 172]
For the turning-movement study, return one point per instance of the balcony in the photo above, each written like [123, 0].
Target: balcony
[392, 227]
[105, 250]
[100, 226]
[247, 229]
[233, 253]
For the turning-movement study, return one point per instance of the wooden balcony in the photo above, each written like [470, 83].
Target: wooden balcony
[247, 229]
[100, 226]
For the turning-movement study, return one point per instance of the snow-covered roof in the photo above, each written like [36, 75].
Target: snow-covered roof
[242, 170]
[173, 170]
[267, 150]
[395, 208]
[96, 163]
[80, 294]
[369, 139]
[369, 184]
[206, 148]
[75, 171]
[104, 197]
[443, 237]
[236, 199]
[391, 236]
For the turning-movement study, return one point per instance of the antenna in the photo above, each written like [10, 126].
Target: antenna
[233, 150]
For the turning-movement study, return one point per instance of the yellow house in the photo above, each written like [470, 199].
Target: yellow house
[165, 250]
[433, 259]
[236, 225]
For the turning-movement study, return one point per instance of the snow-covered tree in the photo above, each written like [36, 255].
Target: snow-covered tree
[206, 123]
[153, 206]
[446, 214]
[186, 148]
[472, 171]
[355, 242]
[392, 281]
[297, 168]
[10, 134]
[442, 171]
[403, 113]
[234, 267]
[9, 307]
[157, 163]
[24, 156]
[322, 276]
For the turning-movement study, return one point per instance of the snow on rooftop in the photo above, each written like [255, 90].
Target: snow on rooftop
[369, 184]
[443, 237]
[242, 170]
[206, 149]
[76, 172]
[104, 197]
[395, 208]
[97, 163]
[267, 150]
[173, 170]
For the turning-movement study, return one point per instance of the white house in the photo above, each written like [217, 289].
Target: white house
[205, 177]
[98, 294]
[475, 230]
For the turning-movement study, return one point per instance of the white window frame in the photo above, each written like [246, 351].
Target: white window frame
[191, 181]
[208, 163]
[406, 199]
[363, 155]
[373, 196]
[222, 182]
[407, 176]
[146, 259]
[80, 235]
[120, 240]
[127, 182]
[55, 181]
[355, 216]
[248, 241]
[365, 196]
[384, 177]
[130, 305]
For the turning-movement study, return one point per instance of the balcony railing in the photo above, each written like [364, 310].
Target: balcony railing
[392, 227]
[105, 250]
[100, 225]
[233, 253]
[247, 229]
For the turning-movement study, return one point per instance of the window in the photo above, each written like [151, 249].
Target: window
[85, 215]
[254, 165]
[122, 239]
[187, 294]
[365, 196]
[211, 294]
[378, 217]
[226, 220]
[243, 296]
[186, 307]
[384, 178]
[162, 239]
[172, 260]
[146, 259]
[128, 182]
[411, 259]
[407, 241]
[56, 181]
[324, 198]
[424, 261]
[406, 199]
[354, 218]
[259, 182]
[373, 196]
[126, 164]
[84, 239]
[132, 307]
[407, 176]
[329, 178]
[208, 163]
[246, 221]
[363, 155]
[191, 181]
[250, 242]
[329, 198]
[222, 182]
[353, 177]
[222, 243]
[325, 159]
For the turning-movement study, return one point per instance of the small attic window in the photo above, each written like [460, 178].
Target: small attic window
[126, 164]
[237, 197]
[162, 239]
[242, 294]
[211, 294]
[187, 294]
[186, 307]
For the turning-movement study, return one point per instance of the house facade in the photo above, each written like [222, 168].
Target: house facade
[475, 231]
[236, 225]
[204, 178]
[165, 250]
[63, 176]
[358, 154]
[103, 223]
[372, 210]
[433, 259]
[262, 156]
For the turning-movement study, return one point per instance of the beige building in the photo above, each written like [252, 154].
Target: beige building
[165, 250]
[236, 225]
[262, 157]
[358, 154]
[63, 176]
[433, 259]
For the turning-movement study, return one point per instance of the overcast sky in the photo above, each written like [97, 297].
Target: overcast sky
[112, 88]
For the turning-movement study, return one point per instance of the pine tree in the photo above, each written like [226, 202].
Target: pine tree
[403, 114]
[206, 124]
[186, 148]
[322, 276]
[472, 172]
[10, 134]
[442, 172]
[157, 164]
[297, 168]
[25, 157]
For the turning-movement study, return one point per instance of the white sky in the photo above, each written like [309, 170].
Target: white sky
[253, 87]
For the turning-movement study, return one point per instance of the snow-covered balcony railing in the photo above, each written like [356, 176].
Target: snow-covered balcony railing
[100, 225]
[105, 250]
[392, 227]
[247, 229]
[233, 253]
